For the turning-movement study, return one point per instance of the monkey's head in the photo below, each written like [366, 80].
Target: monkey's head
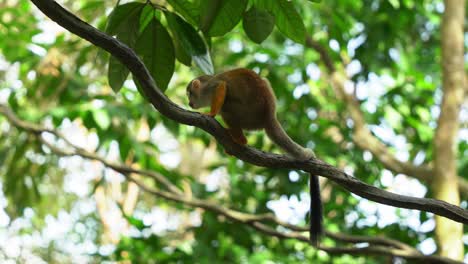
[195, 92]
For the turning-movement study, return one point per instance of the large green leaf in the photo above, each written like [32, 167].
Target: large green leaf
[189, 10]
[190, 41]
[148, 13]
[218, 17]
[117, 73]
[287, 19]
[157, 51]
[119, 17]
[258, 24]
[124, 23]
[182, 55]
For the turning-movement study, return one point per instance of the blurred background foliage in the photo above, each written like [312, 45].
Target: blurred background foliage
[73, 210]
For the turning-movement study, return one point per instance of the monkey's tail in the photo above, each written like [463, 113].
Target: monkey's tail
[315, 212]
[277, 134]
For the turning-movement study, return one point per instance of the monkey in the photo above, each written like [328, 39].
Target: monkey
[247, 102]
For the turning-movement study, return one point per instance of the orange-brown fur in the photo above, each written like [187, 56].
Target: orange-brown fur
[249, 100]
[246, 101]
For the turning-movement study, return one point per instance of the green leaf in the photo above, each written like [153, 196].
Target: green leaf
[218, 17]
[258, 24]
[157, 51]
[287, 19]
[125, 145]
[116, 74]
[181, 54]
[147, 14]
[126, 28]
[101, 118]
[190, 41]
[137, 223]
[188, 10]
[119, 16]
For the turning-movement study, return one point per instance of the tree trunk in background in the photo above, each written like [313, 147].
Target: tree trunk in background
[445, 186]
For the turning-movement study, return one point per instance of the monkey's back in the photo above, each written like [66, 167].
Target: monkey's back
[249, 102]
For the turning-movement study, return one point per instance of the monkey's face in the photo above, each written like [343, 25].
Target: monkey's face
[194, 93]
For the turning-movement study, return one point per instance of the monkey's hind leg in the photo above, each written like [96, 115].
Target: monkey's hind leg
[237, 135]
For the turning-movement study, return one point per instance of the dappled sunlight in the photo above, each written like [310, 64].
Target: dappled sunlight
[241, 131]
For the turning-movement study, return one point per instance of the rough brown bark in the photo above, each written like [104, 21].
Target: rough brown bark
[445, 183]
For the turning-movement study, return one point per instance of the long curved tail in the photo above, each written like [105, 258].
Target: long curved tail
[315, 212]
[277, 134]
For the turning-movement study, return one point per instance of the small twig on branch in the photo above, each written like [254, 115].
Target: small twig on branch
[169, 109]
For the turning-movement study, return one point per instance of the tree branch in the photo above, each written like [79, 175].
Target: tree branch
[365, 140]
[402, 250]
[35, 129]
[363, 137]
[375, 245]
[248, 154]
[449, 235]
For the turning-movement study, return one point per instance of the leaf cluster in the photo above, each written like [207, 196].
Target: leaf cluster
[163, 34]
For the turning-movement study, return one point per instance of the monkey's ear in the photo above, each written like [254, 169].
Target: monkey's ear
[196, 86]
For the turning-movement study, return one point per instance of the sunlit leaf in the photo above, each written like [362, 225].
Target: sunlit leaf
[101, 118]
[188, 10]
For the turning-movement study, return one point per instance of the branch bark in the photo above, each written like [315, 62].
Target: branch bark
[262, 223]
[445, 182]
[248, 154]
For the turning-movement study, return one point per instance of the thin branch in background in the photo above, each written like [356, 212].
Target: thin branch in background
[376, 245]
[35, 129]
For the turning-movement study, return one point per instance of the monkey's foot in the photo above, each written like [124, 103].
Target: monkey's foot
[237, 135]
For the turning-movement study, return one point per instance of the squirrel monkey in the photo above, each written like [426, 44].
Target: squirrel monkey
[246, 101]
